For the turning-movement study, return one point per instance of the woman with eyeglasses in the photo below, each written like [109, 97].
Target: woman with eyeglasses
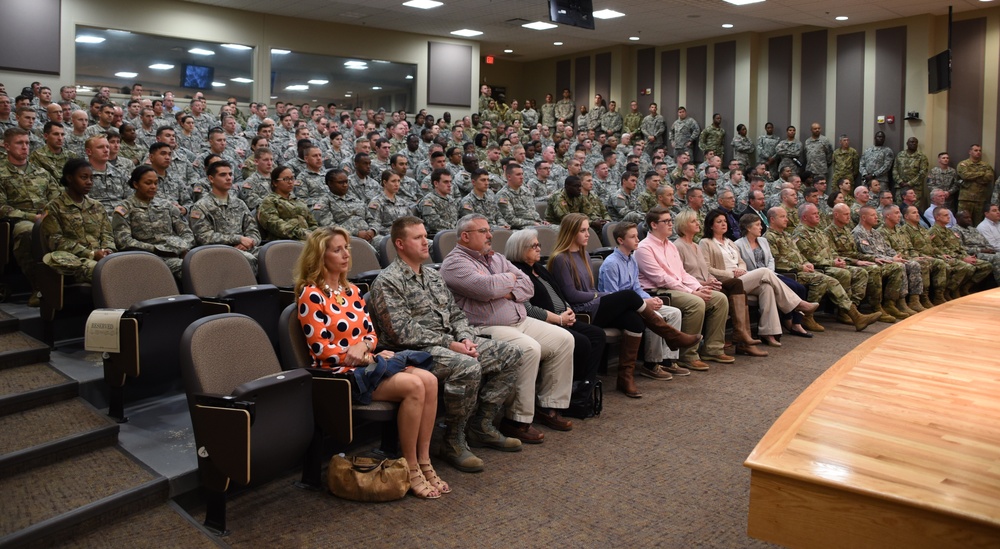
[623, 309]
[282, 216]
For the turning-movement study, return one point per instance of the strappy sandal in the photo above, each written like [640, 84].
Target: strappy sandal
[431, 476]
[420, 487]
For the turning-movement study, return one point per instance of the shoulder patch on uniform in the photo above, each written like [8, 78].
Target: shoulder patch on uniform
[372, 205]
[502, 200]
[195, 214]
[467, 206]
[121, 210]
[247, 185]
[197, 188]
[429, 203]
[317, 206]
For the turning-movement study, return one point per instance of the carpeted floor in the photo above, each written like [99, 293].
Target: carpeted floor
[665, 471]
[48, 423]
[28, 378]
[161, 526]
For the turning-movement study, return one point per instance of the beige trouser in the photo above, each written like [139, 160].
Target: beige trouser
[656, 347]
[701, 317]
[771, 295]
[542, 343]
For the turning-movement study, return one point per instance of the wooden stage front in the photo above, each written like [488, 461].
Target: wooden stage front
[896, 445]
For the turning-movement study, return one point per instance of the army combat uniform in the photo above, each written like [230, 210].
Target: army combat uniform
[975, 243]
[815, 245]
[24, 192]
[518, 207]
[224, 221]
[788, 260]
[73, 232]
[933, 271]
[156, 226]
[285, 218]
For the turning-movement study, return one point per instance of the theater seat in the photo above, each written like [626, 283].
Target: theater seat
[364, 263]
[58, 294]
[156, 316]
[252, 421]
[444, 242]
[276, 263]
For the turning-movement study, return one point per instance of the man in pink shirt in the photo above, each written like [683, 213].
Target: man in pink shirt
[702, 307]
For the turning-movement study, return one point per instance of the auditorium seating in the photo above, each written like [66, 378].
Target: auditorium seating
[364, 263]
[275, 265]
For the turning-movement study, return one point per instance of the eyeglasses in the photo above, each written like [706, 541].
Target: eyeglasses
[286, 179]
[667, 221]
[536, 246]
[480, 231]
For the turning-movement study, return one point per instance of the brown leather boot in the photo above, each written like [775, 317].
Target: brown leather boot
[628, 350]
[675, 338]
[884, 316]
[809, 323]
[741, 320]
[939, 298]
[890, 307]
[925, 301]
[861, 321]
[913, 304]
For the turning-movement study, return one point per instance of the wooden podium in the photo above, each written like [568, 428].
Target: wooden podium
[896, 445]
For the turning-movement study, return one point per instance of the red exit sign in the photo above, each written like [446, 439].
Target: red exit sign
[489, 59]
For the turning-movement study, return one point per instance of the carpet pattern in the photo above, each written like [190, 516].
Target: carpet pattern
[48, 423]
[665, 470]
[16, 341]
[44, 492]
[161, 526]
[28, 378]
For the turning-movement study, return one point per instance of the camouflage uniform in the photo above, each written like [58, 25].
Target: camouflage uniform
[50, 161]
[819, 154]
[530, 118]
[365, 189]
[313, 187]
[611, 123]
[487, 206]
[135, 153]
[933, 271]
[342, 211]
[788, 260]
[766, 148]
[647, 200]
[793, 217]
[24, 192]
[218, 221]
[713, 139]
[975, 243]
[440, 213]
[285, 218]
[876, 162]
[110, 188]
[816, 247]
[872, 245]
[518, 207]
[564, 110]
[156, 226]
[946, 180]
[947, 243]
[382, 211]
[417, 311]
[254, 189]
[977, 179]
[743, 152]
[884, 281]
[788, 151]
[74, 143]
[548, 111]
[631, 123]
[910, 172]
[73, 232]
[625, 207]
[923, 242]
[845, 164]
[682, 131]
[652, 128]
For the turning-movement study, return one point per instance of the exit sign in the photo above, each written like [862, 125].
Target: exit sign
[489, 59]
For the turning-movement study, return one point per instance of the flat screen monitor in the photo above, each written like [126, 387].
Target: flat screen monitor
[198, 77]
[575, 13]
[939, 72]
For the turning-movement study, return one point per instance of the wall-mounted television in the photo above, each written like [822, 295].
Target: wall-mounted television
[198, 77]
[939, 72]
[575, 13]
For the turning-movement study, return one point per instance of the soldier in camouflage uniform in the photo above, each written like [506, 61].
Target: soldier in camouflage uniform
[548, 112]
[977, 179]
[933, 271]
[218, 218]
[958, 271]
[342, 208]
[944, 177]
[910, 170]
[149, 223]
[624, 205]
[257, 186]
[611, 121]
[845, 161]
[565, 109]
[684, 133]
[788, 151]
[282, 216]
[313, 177]
[816, 247]
[876, 161]
[653, 127]
[948, 245]
[788, 260]
[872, 246]
[529, 114]
[713, 137]
[517, 202]
[647, 198]
[766, 150]
[438, 209]
[53, 156]
[362, 182]
[482, 200]
[413, 309]
[975, 243]
[818, 151]
[110, 186]
[386, 207]
[632, 121]
[75, 228]
[885, 281]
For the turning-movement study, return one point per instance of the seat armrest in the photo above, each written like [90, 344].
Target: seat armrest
[222, 434]
[602, 252]
[215, 305]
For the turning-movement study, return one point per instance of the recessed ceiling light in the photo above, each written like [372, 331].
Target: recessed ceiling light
[83, 88]
[274, 97]
[380, 61]
[347, 95]
[409, 77]
[841, 18]
[118, 31]
[126, 74]
[742, 2]
[236, 47]
[86, 39]
[241, 80]
[423, 4]
[376, 87]
[200, 51]
[280, 52]
[608, 14]
[539, 26]
[297, 87]
[557, 43]
[727, 25]
[633, 38]
[319, 82]
[218, 84]
[467, 32]
[508, 51]
[161, 66]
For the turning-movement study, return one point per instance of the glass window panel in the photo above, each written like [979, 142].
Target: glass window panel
[349, 81]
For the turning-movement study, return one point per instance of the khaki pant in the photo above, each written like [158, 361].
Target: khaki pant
[701, 317]
[772, 295]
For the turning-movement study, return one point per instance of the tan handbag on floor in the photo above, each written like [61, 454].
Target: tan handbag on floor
[368, 479]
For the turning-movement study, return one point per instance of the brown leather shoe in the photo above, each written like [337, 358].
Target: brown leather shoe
[721, 357]
[521, 431]
[697, 365]
[551, 419]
